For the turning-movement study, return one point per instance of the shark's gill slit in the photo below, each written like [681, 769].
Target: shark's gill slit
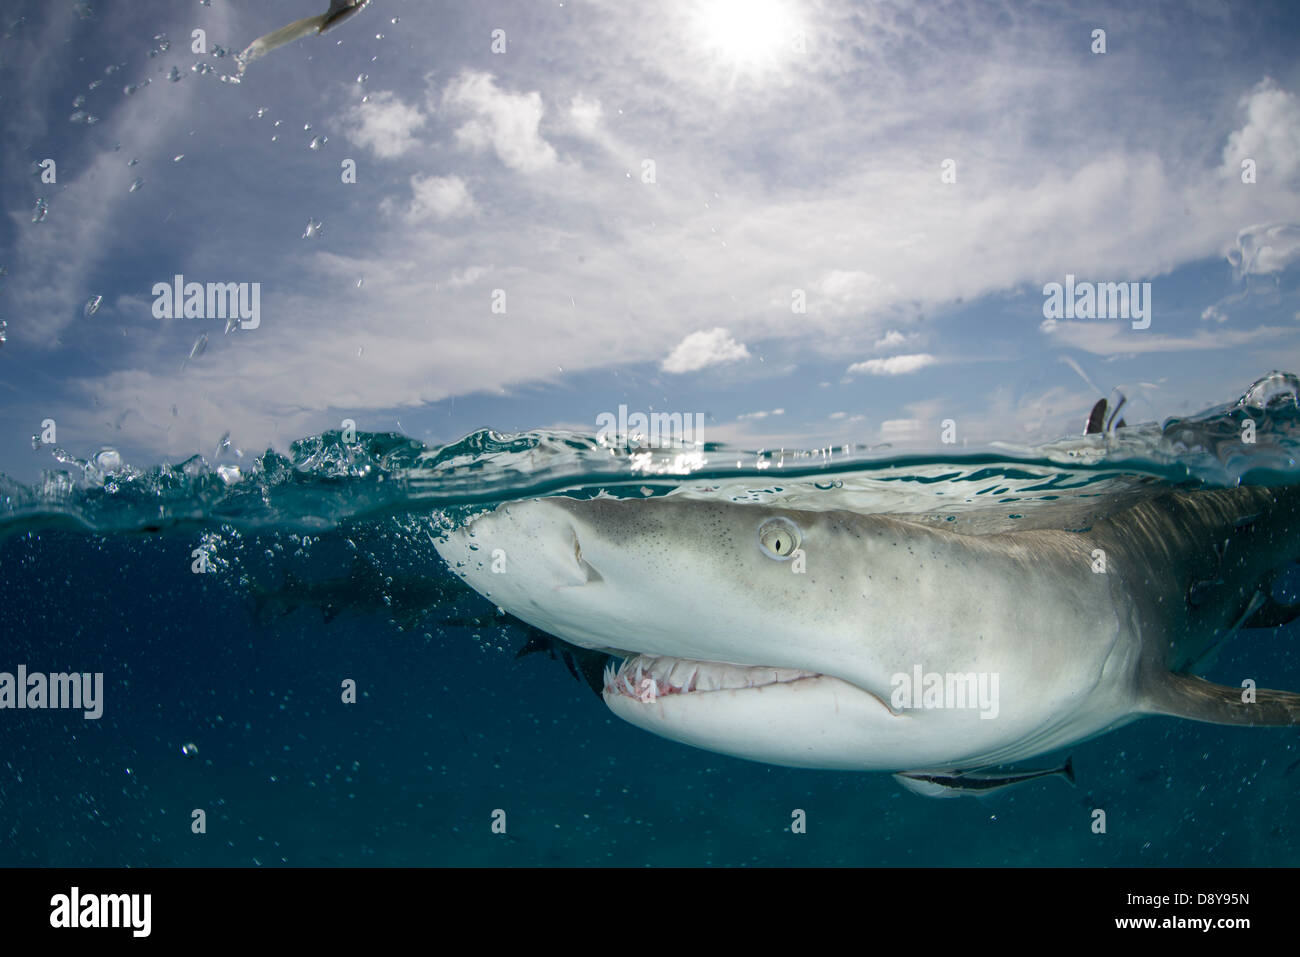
[588, 570]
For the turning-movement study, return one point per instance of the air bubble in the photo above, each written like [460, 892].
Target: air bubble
[39, 213]
[135, 186]
[92, 306]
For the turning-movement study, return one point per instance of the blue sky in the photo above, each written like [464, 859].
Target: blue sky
[798, 150]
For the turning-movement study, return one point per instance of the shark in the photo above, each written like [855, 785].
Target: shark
[846, 640]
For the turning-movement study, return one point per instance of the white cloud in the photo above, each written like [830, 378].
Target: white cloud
[894, 365]
[894, 429]
[467, 276]
[892, 339]
[843, 292]
[1265, 249]
[506, 122]
[383, 124]
[1106, 337]
[760, 415]
[585, 114]
[439, 197]
[1271, 136]
[702, 349]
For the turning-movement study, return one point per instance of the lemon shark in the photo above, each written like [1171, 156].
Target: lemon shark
[796, 637]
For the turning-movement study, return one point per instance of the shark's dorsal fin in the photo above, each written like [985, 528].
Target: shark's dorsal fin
[1186, 696]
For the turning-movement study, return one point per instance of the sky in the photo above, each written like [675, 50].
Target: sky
[811, 222]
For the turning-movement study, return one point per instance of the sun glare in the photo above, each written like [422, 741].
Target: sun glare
[748, 33]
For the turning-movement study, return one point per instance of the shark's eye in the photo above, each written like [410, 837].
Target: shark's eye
[778, 538]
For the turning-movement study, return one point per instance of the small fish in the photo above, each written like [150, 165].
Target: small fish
[970, 784]
[338, 11]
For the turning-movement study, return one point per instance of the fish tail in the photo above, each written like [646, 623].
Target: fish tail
[278, 38]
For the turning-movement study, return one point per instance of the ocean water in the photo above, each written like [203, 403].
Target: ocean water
[227, 602]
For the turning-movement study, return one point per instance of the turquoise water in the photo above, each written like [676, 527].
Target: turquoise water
[222, 689]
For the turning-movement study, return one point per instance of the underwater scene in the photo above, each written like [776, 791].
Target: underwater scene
[698, 433]
[230, 612]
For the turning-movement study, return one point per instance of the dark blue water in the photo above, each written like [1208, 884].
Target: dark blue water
[246, 663]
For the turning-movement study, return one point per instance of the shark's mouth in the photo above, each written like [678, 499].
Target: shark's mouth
[647, 678]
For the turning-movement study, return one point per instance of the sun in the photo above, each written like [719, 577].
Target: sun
[750, 34]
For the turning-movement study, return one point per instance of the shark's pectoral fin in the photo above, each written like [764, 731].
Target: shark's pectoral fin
[1186, 696]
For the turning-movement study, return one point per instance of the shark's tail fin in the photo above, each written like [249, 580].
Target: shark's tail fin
[1186, 696]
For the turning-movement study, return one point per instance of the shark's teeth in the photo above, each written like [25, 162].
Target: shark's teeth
[672, 676]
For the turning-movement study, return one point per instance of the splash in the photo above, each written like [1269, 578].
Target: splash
[325, 481]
